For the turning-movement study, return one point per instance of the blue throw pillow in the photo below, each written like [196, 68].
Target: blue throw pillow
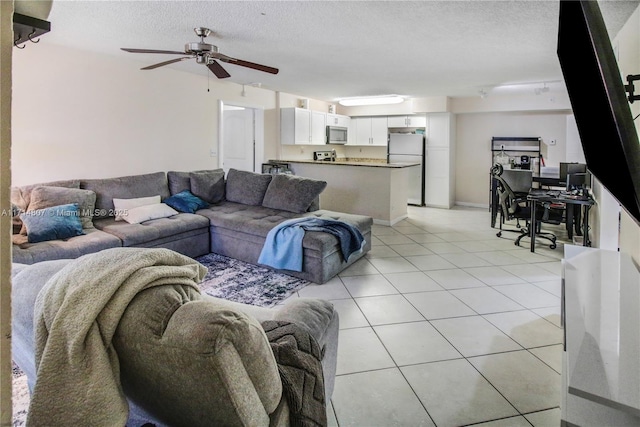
[56, 222]
[186, 202]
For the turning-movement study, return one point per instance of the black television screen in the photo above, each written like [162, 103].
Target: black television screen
[599, 102]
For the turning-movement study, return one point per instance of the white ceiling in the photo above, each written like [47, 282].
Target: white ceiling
[331, 49]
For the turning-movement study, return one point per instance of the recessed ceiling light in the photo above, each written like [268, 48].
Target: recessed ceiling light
[371, 100]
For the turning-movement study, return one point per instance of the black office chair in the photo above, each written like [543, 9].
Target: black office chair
[517, 207]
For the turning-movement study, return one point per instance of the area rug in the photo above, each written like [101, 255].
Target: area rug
[227, 278]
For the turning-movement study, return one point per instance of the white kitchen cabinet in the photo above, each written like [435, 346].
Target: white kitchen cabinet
[440, 160]
[338, 120]
[369, 131]
[417, 121]
[302, 126]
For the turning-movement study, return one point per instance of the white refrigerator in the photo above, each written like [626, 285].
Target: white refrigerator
[410, 148]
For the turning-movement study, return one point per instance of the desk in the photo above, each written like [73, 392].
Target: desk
[536, 197]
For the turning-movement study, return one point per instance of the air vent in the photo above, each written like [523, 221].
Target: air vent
[28, 28]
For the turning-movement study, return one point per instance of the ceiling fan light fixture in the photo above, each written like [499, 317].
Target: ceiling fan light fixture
[371, 100]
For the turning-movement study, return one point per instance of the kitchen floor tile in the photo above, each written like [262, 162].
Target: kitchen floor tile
[443, 248]
[473, 246]
[554, 287]
[531, 272]
[425, 238]
[438, 305]
[360, 350]
[413, 343]
[526, 328]
[382, 251]
[395, 239]
[455, 394]
[528, 295]
[383, 230]
[359, 268]
[486, 300]
[532, 257]
[414, 281]
[551, 355]
[493, 275]
[453, 237]
[392, 265]
[407, 228]
[430, 262]
[518, 421]
[474, 336]
[497, 257]
[366, 286]
[454, 279]
[349, 314]
[387, 309]
[409, 249]
[525, 381]
[333, 289]
[550, 314]
[550, 417]
[465, 260]
[377, 399]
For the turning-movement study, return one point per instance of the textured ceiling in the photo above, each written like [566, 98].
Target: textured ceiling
[332, 49]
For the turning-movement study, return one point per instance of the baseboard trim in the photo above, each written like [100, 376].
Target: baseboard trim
[392, 222]
[472, 205]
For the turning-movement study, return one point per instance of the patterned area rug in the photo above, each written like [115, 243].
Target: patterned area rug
[227, 278]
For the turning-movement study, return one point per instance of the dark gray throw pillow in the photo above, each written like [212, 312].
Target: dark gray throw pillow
[208, 185]
[246, 187]
[178, 182]
[292, 193]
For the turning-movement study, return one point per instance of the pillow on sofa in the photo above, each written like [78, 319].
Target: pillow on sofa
[52, 223]
[208, 185]
[122, 206]
[178, 181]
[149, 212]
[46, 197]
[292, 193]
[246, 187]
[185, 202]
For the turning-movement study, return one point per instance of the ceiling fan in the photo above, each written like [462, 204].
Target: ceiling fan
[204, 53]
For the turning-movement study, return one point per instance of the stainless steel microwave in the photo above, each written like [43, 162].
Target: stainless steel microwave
[336, 135]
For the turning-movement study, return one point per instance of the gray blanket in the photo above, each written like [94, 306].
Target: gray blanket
[299, 361]
[76, 315]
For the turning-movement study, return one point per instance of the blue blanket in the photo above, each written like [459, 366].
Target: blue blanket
[283, 247]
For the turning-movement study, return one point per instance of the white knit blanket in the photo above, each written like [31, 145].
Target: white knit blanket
[76, 315]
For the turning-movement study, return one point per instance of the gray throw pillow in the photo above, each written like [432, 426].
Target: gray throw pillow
[245, 187]
[46, 197]
[178, 182]
[208, 185]
[292, 193]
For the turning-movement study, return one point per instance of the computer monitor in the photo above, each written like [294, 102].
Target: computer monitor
[571, 168]
[519, 180]
[578, 181]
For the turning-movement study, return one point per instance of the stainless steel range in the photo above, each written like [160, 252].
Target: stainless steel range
[325, 156]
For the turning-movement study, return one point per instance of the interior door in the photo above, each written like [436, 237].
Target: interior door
[238, 139]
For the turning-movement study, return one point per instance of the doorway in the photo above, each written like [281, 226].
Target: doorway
[241, 136]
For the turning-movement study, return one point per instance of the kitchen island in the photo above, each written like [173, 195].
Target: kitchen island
[370, 187]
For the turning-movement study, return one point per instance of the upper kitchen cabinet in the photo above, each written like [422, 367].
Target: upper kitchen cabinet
[338, 120]
[407, 121]
[368, 131]
[302, 126]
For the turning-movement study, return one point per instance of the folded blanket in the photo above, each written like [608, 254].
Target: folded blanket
[299, 360]
[283, 246]
[76, 315]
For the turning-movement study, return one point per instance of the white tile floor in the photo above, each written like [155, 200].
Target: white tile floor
[445, 324]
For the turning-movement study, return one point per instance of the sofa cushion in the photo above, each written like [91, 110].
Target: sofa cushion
[92, 241]
[292, 193]
[46, 197]
[208, 185]
[122, 206]
[186, 202]
[21, 196]
[180, 181]
[56, 222]
[246, 187]
[149, 212]
[158, 231]
[125, 187]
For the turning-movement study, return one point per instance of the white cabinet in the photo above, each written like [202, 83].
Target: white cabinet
[338, 120]
[301, 126]
[440, 160]
[369, 131]
[407, 121]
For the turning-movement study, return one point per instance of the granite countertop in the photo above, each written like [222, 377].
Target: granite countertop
[380, 163]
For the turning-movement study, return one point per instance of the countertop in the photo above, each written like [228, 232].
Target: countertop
[352, 162]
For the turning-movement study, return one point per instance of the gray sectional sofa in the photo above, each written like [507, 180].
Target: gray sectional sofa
[242, 208]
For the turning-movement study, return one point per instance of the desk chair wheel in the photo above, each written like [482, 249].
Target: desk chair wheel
[553, 246]
[499, 234]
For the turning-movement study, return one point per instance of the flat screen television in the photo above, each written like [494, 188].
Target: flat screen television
[599, 102]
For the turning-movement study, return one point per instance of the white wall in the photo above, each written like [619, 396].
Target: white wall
[473, 146]
[82, 115]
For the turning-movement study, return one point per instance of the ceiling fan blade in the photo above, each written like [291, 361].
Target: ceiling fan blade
[171, 52]
[248, 64]
[217, 69]
[160, 64]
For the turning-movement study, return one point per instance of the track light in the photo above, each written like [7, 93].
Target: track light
[371, 100]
